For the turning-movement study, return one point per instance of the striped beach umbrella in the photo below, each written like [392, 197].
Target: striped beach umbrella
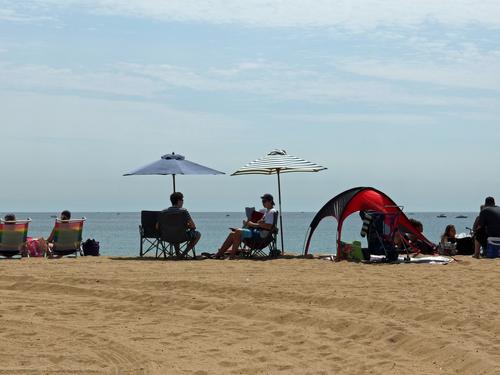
[278, 162]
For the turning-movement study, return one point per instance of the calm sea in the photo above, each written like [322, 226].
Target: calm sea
[118, 232]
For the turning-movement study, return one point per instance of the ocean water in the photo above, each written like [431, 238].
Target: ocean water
[118, 232]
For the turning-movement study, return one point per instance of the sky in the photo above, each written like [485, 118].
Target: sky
[400, 95]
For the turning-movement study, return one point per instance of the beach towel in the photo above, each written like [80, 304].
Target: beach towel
[33, 247]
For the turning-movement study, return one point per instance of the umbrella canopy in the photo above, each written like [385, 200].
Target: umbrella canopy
[277, 162]
[172, 164]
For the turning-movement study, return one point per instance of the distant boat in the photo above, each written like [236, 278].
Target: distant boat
[227, 215]
[441, 216]
[461, 217]
[53, 216]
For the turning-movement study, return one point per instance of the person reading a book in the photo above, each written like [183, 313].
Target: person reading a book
[257, 226]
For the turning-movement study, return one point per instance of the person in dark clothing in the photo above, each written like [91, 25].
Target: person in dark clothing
[177, 200]
[10, 218]
[488, 225]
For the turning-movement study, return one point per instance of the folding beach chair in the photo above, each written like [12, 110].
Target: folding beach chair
[174, 235]
[149, 233]
[382, 234]
[264, 246]
[13, 237]
[68, 237]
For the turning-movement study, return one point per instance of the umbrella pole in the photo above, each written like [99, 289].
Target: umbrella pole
[173, 180]
[281, 218]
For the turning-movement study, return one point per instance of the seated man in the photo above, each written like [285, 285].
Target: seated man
[488, 225]
[177, 200]
[259, 229]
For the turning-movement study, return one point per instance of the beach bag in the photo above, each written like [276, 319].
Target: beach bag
[465, 246]
[90, 247]
[33, 248]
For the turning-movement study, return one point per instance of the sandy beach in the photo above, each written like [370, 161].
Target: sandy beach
[287, 316]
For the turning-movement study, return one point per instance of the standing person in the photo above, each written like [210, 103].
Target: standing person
[251, 229]
[177, 200]
[488, 225]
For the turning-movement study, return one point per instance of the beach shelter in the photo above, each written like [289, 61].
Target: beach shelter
[361, 199]
[172, 164]
[278, 162]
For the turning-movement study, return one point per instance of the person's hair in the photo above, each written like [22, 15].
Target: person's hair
[65, 215]
[176, 197]
[417, 224]
[489, 201]
[448, 229]
[9, 217]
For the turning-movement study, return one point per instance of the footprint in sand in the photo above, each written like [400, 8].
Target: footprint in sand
[228, 364]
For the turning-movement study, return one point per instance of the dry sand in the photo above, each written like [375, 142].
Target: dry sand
[287, 316]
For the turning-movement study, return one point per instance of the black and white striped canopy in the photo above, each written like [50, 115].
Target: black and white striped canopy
[278, 160]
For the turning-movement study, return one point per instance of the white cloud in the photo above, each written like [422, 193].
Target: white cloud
[479, 74]
[359, 15]
[275, 82]
[40, 77]
[14, 15]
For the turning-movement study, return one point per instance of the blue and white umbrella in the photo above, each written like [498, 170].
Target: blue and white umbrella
[172, 164]
[278, 162]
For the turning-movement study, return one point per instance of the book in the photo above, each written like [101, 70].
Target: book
[253, 215]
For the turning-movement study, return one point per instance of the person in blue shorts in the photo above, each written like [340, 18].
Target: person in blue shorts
[259, 229]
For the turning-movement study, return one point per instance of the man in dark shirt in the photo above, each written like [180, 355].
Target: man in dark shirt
[488, 225]
[177, 200]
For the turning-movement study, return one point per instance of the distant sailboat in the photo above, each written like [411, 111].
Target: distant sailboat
[441, 216]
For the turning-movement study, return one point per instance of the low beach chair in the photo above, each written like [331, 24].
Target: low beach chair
[264, 246]
[13, 237]
[173, 234]
[68, 237]
[149, 233]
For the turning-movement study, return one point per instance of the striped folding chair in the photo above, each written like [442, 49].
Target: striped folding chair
[67, 237]
[13, 237]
